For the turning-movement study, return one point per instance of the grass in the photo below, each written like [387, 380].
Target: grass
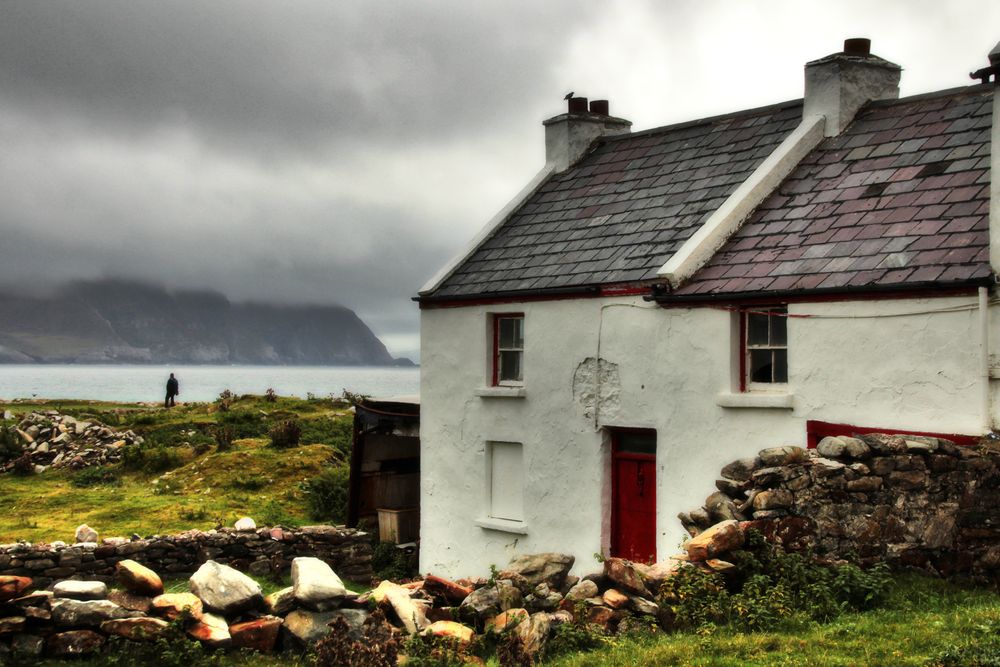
[924, 621]
[209, 487]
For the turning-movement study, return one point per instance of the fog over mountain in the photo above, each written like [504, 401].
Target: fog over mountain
[128, 322]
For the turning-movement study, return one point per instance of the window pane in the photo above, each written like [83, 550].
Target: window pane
[760, 366]
[510, 366]
[511, 332]
[779, 329]
[781, 365]
[756, 329]
[636, 443]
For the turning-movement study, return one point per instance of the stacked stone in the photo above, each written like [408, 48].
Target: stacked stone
[53, 440]
[907, 500]
[259, 551]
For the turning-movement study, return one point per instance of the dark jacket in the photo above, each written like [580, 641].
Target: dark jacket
[172, 387]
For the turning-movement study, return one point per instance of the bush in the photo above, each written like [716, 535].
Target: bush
[23, 465]
[245, 423]
[326, 494]
[378, 648]
[151, 459]
[10, 444]
[271, 396]
[337, 433]
[96, 476]
[224, 436]
[275, 514]
[391, 562]
[172, 649]
[285, 434]
[773, 588]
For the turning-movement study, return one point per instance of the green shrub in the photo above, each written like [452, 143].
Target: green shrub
[337, 433]
[224, 435]
[378, 648]
[772, 588]
[577, 636]
[275, 514]
[96, 476]
[391, 562]
[150, 459]
[245, 423]
[172, 649]
[326, 494]
[285, 434]
[247, 482]
[10, 444]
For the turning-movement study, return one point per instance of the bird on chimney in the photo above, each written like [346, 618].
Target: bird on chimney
[569, 95]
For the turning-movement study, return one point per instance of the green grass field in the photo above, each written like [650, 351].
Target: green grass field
[207, 487]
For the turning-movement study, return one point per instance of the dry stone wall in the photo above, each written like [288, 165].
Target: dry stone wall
[907, 500]
[259, 551]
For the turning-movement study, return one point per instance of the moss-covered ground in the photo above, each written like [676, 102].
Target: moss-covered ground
[196, 485]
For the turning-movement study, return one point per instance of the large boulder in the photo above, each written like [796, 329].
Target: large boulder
[135, 629]
[583, 590]
[543, 568]
[507, 619]
[260, 634]
[74, 643]
[409, 611]
[138, 578]
[534, 632]
[81, 590]
[12, 587]
[448, 590]
[316, 585]
[245, 523]
[87, 613]
[719, 539]
[225, 589]
[311, 626]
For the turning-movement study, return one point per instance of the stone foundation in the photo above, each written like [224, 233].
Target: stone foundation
[258, 552]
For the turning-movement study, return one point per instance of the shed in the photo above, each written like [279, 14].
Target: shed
[385, 467]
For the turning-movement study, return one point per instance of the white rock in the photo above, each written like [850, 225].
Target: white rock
[81, 590]
[225, 589]
[85, 533]
[315, 584]
[246, 523]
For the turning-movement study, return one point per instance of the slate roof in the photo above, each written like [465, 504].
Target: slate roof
[621, 212]
[899, 199]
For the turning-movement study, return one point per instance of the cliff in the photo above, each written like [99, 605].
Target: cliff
[117, 321]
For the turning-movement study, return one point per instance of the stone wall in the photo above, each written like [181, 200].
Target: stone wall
[907, 500]
[259, 551]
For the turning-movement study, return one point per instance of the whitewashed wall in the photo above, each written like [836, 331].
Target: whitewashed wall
[850, 364]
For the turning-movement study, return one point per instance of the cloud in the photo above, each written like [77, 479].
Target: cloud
[341, 151]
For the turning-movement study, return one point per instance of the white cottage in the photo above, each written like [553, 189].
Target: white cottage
[656, 304]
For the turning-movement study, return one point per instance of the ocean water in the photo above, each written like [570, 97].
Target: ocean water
[128, 383]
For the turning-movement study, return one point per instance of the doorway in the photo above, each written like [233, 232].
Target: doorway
[633, 494]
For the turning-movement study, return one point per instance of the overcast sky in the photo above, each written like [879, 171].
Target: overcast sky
[340, 152]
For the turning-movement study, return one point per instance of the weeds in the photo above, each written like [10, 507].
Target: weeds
[285, 434]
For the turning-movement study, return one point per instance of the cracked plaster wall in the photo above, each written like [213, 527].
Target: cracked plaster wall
[664, 370]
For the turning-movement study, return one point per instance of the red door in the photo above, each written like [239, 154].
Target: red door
[633, 495]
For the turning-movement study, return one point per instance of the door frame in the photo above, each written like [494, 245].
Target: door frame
[617, 455]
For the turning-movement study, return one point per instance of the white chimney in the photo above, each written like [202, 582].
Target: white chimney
[568, 136]
[838, 85]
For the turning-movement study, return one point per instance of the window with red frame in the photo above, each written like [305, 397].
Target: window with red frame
[764, 343]
[508, 349]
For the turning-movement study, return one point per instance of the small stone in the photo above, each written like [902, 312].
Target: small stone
[138, 578]
[81, 590]
[135, 629]
[86, 613]
[131, 601]
[856, 448]
[534, 632]
[548, 568]
[773, 499]
[308, 626]
[489, 601]
[74, 643]
[280, 602]
[173, 605]
[508, 619]
[260, 634]
[715, 541]
[583, 590]
[85, 533]
[625, 576]
[27, 646]
[865, 484]
[12, 624]
[450, 629]
[212, 630]
[720, 507]
[641, 605]
[741, 469]
[823, 467]
[831, 447]
[614, 598]
[12, 587]
[246, 523]
[720, 566]
[447, 589]
[779, 456]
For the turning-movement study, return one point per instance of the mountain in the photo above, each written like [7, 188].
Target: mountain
[119, 321]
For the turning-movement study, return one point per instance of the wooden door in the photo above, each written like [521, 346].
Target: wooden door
[633, 495]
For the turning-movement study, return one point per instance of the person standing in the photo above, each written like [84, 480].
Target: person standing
[173, 389]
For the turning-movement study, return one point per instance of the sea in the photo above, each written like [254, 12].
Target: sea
[140, 383]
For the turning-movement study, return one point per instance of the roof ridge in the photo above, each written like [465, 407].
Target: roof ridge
[947, 92]
[756, 111]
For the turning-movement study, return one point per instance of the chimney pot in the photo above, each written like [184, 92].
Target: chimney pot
[577, 105]
[599, 107]
[858, 46]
